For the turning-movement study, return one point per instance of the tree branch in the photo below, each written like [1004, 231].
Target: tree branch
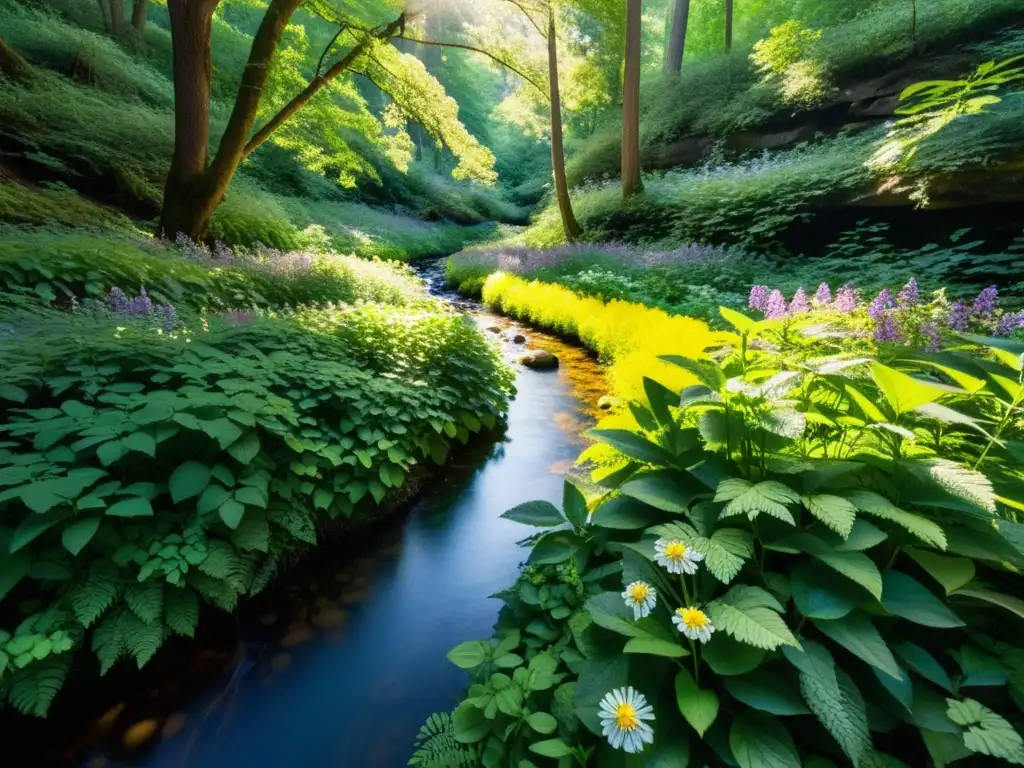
[474, 49]
[320, 63]
[522, 7]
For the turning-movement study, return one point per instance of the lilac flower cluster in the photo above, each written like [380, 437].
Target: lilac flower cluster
[897, 319]
[142, 307]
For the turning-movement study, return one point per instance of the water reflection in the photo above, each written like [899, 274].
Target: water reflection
[343, 660]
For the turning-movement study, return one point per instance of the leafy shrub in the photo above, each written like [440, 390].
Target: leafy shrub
[819, 562]
[145, 474]
[630, 337]
[57, 265]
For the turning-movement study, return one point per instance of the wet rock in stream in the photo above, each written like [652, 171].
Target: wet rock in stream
[538, 360]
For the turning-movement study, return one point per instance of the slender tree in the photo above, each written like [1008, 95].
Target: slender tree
[728, 26]
[676, 47]
[116, 15]
[569, 223]
[631, 183]
[139, 9]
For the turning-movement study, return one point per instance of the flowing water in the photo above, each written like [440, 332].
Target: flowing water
[344, 658]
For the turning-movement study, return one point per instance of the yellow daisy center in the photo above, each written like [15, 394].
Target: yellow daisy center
[625, 717]
[638, 593]
[693, 618]
[675, 550]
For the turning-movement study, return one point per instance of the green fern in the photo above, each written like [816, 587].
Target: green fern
[141, 640]
[146, 600]
[181, 611]
[217, 591]
[297, 522]
[31, 690]
[96, 593]
[253, 533]
[436, 746]
[108, 640]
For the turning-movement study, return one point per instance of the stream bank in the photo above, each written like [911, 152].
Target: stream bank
[343, 658]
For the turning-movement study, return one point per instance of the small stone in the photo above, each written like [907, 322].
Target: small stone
[493, 329]
[139, 734]
[172, 725]
[538, 360]
[606, 402]
[298, 632]
[518, 338]
[110, 716]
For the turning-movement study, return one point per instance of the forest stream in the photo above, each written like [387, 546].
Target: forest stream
[343, 658]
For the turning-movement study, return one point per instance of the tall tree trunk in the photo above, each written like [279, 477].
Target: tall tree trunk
[194, 190]
[569, 223]
[677, 37]
[728, 25]
[105, 14]
[631, 183]
[319, 81]
[139, 9]
[116, 15]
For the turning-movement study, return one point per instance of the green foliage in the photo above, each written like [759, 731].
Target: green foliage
[842, 529]
[143, 474]
[56, 204]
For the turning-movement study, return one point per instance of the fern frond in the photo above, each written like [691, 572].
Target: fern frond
[96, 592]
[436, 746]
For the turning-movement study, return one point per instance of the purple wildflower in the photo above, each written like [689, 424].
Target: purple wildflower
[886, 329]
[238, 317]
[170, 318]
[908, 295]
[931, 333]
[823, 296]
[846, 299]
[776, 306]
[1010, 322]
[957, 319]
[118, 301]
[882, 302]
[759, 298]
[800, 302]
[985, 304]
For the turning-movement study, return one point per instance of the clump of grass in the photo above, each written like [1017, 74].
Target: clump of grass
[56, 204]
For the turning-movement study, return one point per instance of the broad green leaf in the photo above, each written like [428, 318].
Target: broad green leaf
[744, 325]
[820, 593]
[188, 480]
[141, 442]
[34, 526]
[924, 664]
[904, 393]
[542, 723]
[659, 398]
[212, 497]
[136, 506]
[951, 572]
[574, 505]
[634, 446]
[245, 448]
[470, 654]
[768, 692]
[751, 615]
[979, 668]
[728, 657]
[858, 635]
[542, 514]
[13, 568]
[904, 597]
[654, 646]
[623, 513]
[707, 372]
[231, 512]
[857, 567]
[1009, 351]
[978, 592]
[665, 489]
[80, 533]
[760, 741]
[864, 404]
[551, 748]
[555, 547]
[469, 723]
[699, 707]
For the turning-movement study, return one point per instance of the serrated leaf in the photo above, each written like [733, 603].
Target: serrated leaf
[835, 512]
[146, 600]
[857, 567]
[760, 741]
[832, 697]
[879, 506]
[725, 552]
[987, 732]
[955, 479]
[746, 498]
[751, 615]
[93, 594]
[181, 610]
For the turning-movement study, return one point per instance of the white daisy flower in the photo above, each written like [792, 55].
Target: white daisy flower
[675, 557]
[641, 597]
[693, 623]
[622, 713]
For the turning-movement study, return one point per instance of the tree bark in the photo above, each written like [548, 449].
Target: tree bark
[728, 26]
[319, 82]
[631, 183]
[116, 15]
[569, 224]
[194, 190]
[676, 47]
[139, 9]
